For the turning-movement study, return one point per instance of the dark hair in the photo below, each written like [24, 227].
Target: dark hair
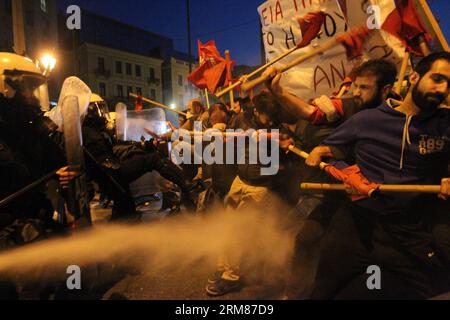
[218, 107]
[425, 64]
[266, 102]
[385, 71]
[197, 103]
[218, 113]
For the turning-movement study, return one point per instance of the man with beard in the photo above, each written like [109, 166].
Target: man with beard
[372, 85]
[405, 235]
[312, 213]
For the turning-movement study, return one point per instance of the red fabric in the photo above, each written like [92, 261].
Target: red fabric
[353, 41]
[352, 176]
[208, 53]
[319, 117]
[215, 76]
[138, 104]
[404, 23]
[347, 83]
[310, 25]
[212, 70]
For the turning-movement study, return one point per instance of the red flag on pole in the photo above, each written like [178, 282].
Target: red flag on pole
[310, 25]
[212, 70]
[404, 23]
[353, 41]
[138, 104]
[352, 176]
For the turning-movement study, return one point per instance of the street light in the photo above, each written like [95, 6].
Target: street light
[48, 62]
[173, 106]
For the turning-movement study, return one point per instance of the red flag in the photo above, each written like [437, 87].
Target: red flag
[208, 53]
[404, 23]
[310, 25]
[353, 41]
[213, 68]
[209, 57]
[138, 104]
[353, 177]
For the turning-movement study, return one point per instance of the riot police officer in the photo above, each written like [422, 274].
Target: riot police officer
[110, 160]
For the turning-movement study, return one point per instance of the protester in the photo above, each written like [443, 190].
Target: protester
[396, 143]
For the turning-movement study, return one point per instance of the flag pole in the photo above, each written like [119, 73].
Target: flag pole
[228, 58]
[263, 78]
[434, 25]
[260, 69]
[383, 188]
[207, 98]
[401, 77]
[157, 104]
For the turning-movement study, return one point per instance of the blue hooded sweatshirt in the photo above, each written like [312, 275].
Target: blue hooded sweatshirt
[393, 148]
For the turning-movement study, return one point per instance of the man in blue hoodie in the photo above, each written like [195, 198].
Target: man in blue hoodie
[405, 235]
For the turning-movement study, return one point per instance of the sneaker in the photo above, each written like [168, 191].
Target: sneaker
[216, 276]
[222, 287]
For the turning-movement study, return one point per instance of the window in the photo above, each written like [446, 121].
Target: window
[152, 74]
[129, 90]
[128, 69]
[120, 91]
[118, 67]
[138, 71]
[180, 80]
[180, 99]
[153, 94]
[102, 89]
[101, 64]
[138, 91]
[44, 5]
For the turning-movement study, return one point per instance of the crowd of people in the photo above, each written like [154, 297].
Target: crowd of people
[393, 140]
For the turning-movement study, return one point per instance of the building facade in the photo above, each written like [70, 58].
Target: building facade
[115, 58]
[113, 74]
[40, 27]
[177, 89]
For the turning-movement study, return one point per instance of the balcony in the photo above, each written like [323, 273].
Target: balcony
[153, 81]
[102, 73]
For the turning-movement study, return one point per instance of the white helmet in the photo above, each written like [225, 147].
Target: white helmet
[98, 108]
[20, 74]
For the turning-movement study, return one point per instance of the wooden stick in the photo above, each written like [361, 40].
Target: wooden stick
[207, 98]
[423, 45]
[228, 58]
[401, 76]
[436, 189]
[158, 104]
[305, 155]
[341, 92]
[326, 46]
[260, 69]
[434, 25]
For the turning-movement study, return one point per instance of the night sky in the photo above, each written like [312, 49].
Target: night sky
[234, 24]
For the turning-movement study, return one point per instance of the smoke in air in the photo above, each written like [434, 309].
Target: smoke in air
[258, 236]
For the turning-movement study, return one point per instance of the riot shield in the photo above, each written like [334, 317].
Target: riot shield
[136, 122]
[78, 205]
[121, 121]
[153, 119]
[72, 86]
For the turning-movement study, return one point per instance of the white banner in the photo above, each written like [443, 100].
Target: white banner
[324, 73]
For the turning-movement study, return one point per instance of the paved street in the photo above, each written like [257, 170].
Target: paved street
[187, 283]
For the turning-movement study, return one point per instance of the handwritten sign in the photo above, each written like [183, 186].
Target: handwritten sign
[323, 73]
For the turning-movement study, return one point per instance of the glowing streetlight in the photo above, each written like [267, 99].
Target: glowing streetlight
[173, 106]
[48, 62]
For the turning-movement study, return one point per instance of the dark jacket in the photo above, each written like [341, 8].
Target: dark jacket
[392, 148]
